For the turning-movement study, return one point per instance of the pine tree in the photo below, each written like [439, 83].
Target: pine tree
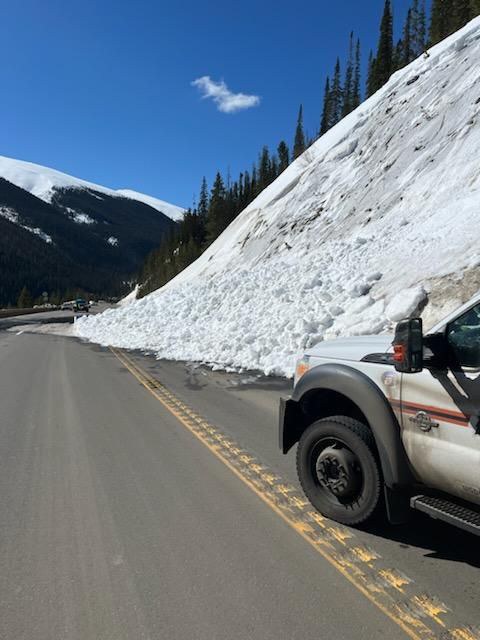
[356, 96]
[384, 59]
[274, 171]
[325, 122]
[24, 299]
[475, 7]
[371, 75]
[299, 142]
[398, 55]
[264, 169]
[254, 183]
[203, 200]
[347, 105]
[217, 211]
[462, 13]
[336, 96]
[247, 189]
[441, 20]
[418, 28]
[407, 51]
[283, 156]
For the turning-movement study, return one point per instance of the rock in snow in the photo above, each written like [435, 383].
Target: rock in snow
[343, 242]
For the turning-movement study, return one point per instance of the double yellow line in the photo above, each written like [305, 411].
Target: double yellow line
[421, 615]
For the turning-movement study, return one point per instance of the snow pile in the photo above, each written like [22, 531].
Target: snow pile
[345, 242]
[42, 182]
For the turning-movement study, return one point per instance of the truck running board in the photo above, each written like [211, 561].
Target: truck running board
[451, 512]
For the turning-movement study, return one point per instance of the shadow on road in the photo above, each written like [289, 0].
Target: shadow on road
[440, 541]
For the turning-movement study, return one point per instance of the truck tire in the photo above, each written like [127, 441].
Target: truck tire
[339, 470]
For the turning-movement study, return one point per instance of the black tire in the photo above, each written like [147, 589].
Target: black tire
[339, 470]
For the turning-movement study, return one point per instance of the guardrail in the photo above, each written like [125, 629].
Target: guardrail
[10, 313]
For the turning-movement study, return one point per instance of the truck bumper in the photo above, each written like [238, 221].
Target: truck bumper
[290, 424]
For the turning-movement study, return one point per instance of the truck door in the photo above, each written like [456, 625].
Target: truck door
[440, 413]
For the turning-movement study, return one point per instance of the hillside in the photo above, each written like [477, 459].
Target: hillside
[377, 219]
[59, 232]
[44, 182]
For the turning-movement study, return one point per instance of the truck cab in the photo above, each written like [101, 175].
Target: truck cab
[391, 422]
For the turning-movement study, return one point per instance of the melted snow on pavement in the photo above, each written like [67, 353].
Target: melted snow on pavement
[345, 242]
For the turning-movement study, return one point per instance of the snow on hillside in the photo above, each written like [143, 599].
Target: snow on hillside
[355, 234]
[42, 182]
[12, 216]
[170, 210]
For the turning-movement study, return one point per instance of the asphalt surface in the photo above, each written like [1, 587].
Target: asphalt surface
[115, 522]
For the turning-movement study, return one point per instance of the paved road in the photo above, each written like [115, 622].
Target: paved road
[48, 317]
[116, 522]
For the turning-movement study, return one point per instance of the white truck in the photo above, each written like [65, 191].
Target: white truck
[391, 422]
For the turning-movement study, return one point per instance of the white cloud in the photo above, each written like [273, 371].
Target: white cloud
[226, 101]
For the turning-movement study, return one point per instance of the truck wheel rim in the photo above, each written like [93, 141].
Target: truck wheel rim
[338, 471]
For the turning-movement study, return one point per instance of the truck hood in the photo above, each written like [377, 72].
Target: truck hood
[353, 349]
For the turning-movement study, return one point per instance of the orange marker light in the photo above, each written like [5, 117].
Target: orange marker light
[302, 368]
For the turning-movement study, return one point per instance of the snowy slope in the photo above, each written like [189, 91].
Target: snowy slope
[42, 182]
[129, 298]
[170, 210]
[377, 215]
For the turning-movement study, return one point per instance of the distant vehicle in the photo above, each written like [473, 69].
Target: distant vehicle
[67, 306]
[81, 305]
[93, 303]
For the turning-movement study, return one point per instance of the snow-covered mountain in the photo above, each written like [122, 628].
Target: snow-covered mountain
[58, 232]
[170, 210]
[44, 182]
[378, 218]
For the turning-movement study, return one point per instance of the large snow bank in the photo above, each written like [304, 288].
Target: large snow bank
[344, 242]
[42, 182]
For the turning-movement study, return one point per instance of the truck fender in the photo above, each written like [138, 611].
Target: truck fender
[368, 397]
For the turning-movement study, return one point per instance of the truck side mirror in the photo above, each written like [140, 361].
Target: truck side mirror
[408, 346]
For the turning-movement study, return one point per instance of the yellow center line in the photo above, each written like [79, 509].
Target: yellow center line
[410, 624]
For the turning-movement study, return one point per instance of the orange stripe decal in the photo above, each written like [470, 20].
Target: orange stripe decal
[454, 417]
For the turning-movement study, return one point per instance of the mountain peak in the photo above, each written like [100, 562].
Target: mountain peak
[44, 182]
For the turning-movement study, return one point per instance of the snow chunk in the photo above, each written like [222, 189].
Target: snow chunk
[405, 303]
[112, 241]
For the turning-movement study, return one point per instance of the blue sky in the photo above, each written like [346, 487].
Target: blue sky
[101, 89]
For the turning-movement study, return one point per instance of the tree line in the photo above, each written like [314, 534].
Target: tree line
[215, 210]
[446, 17]
[343, 93]
[26, 300]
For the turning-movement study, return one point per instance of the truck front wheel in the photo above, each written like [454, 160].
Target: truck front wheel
[338, 468]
